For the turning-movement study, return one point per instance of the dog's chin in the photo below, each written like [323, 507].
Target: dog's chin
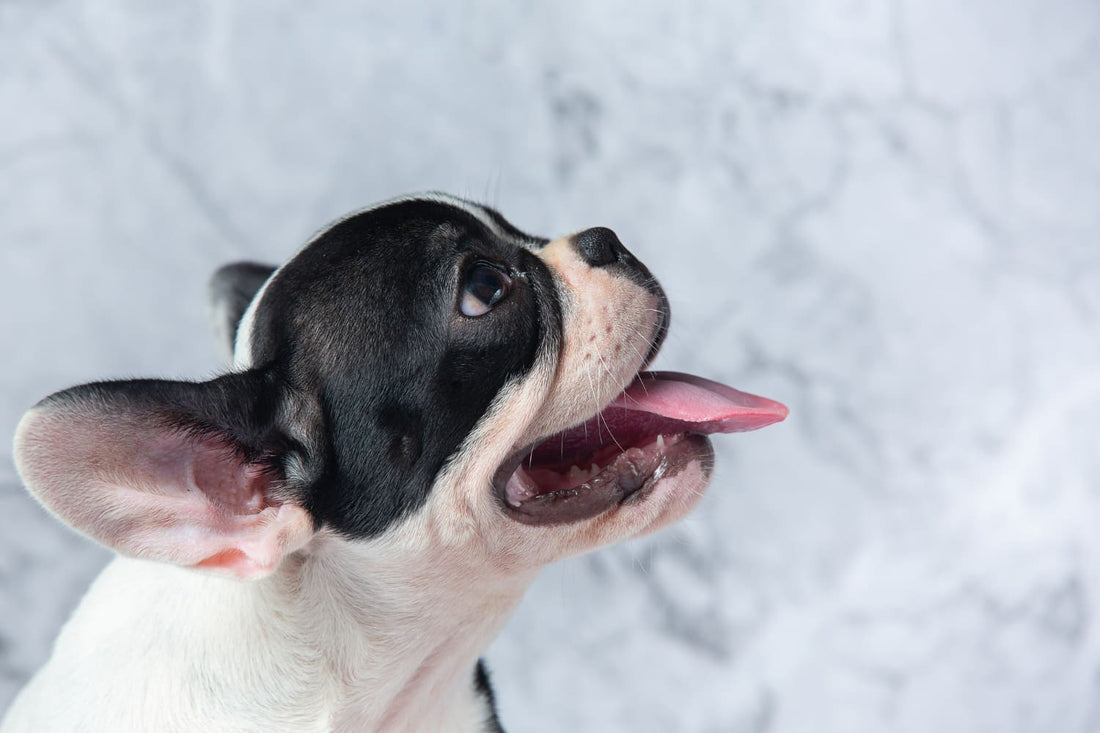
[652, 436]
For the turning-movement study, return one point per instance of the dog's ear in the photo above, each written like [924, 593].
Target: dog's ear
[188, 473]
[230, 291]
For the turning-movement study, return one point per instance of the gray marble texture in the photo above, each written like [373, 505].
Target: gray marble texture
[884, 213]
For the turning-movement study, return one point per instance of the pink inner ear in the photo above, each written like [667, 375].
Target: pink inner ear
[224, 560]
[153, 492]
[217, 471]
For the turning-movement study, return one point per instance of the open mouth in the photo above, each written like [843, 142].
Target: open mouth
[651, 431]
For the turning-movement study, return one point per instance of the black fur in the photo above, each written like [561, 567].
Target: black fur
[485, 688]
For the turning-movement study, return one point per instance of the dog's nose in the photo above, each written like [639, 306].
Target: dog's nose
[599, 246]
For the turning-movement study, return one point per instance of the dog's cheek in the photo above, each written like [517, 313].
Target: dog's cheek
[609, 323]
[463, 507]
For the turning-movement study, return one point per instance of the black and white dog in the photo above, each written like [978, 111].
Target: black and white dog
[426, 406]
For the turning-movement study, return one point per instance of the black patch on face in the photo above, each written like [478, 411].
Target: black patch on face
[363, 323]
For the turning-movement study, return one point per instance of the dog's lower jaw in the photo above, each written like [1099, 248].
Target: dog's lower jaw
[311, 648]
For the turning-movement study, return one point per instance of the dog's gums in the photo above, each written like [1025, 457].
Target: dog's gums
[650, 432]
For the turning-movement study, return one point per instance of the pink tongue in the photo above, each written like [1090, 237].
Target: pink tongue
[709, 407]
[660, 403]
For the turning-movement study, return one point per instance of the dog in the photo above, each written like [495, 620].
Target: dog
[426, 405]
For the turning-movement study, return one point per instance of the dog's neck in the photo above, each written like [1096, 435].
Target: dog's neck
[401, 638]
[337, 639]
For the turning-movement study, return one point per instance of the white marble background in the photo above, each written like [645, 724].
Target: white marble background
[886, 214]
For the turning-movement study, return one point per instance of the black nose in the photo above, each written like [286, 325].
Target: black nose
[599, 246]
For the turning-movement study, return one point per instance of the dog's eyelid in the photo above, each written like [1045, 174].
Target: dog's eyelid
[483, 262]
[508, 270]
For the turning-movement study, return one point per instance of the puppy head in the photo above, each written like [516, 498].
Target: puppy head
[421, 377]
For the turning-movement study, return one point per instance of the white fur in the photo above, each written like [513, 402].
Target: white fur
[311, 648]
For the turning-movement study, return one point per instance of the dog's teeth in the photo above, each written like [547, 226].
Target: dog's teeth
[660, 442]
[593, 470]
[575, 472]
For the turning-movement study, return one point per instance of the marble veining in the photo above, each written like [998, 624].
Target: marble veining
[885, 213]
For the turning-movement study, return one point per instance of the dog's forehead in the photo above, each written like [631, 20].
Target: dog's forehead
[409, 236]
[414, 233]
[388, 267]
[487, 216]
[429, 223]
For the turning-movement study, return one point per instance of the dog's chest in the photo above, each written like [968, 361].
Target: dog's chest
[180, 651]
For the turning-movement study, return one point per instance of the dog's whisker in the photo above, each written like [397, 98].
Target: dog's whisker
[595, 399]
[596, 404]
[641, 357]
[600, 415]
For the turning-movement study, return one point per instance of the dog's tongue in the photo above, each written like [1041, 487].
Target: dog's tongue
[698, 405]
[651, 430]
[660, 403]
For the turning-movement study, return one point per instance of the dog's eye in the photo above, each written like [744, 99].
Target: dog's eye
[484, 288]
